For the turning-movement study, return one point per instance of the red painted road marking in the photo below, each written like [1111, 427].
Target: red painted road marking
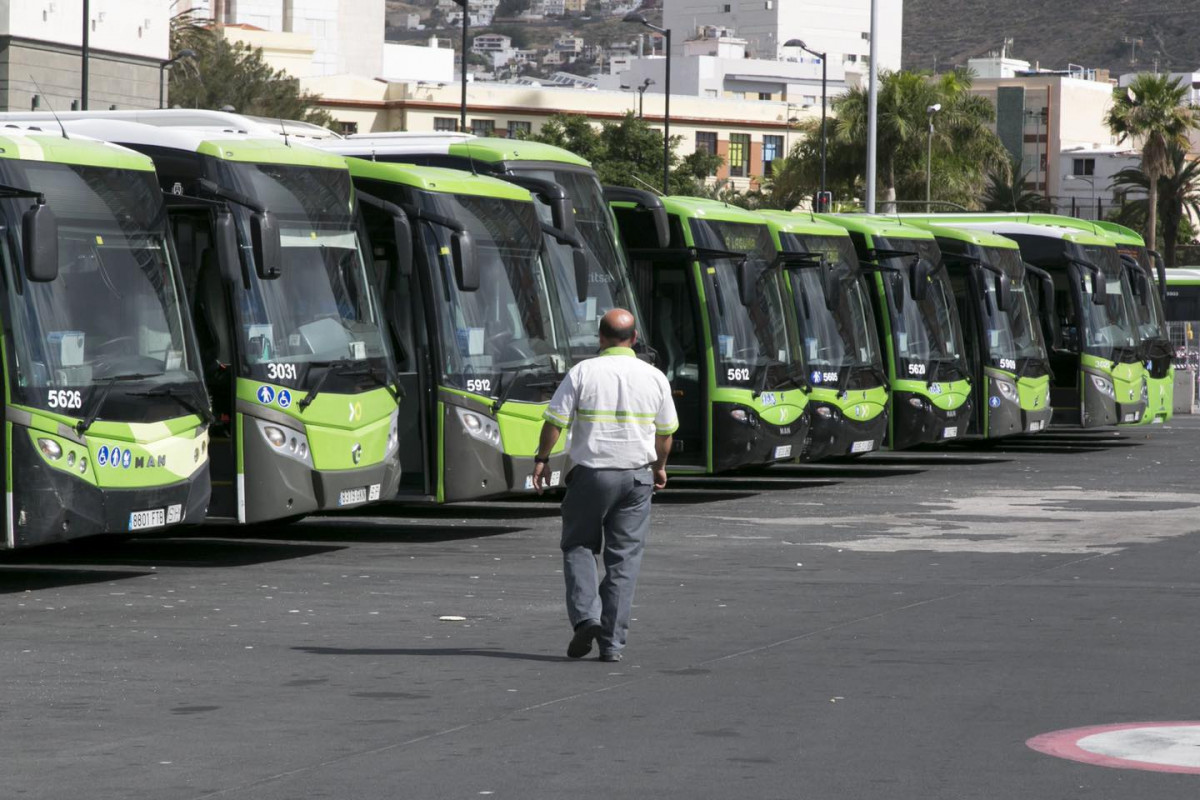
[1151, 746]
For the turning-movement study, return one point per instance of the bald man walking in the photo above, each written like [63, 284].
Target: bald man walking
[622, 418]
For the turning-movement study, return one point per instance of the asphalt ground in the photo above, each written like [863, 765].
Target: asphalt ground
[892, 627]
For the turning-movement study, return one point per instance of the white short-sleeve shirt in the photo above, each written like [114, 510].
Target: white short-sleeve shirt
[615, 405]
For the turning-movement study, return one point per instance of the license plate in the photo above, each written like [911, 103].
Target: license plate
[1034, 427]
[864, 446]
[141, 520]
[950, 433]
[373, 494]
[783, 451]
[350, 497]
[1131, 417]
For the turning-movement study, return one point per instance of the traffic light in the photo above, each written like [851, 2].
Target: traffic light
[823, 201]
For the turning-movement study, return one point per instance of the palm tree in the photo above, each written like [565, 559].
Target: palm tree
[1178, 193]
[1151, 109]
[1006, 192]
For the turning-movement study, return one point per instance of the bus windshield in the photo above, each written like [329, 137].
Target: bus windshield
[755, 344]
[508, 324]
[1013, 338]
[926, 334]
[115, 311]
[608, 281]
[1108, 330]
[1147, 305]
[838, 339]
[321, 310]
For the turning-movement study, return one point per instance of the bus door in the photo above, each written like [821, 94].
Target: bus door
[401, 295]
[194, 228]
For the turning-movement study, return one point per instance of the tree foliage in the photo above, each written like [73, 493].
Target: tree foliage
[226, 73]
[1151, 110]
[1178, 195]
[964, 146]
[1006, 191]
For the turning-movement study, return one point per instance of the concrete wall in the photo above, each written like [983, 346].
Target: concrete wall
[133, 27]
[113, 79]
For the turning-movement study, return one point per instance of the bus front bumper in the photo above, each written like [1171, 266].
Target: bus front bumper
[834, 434]
[752, 440]
[916, 421]
[1035, 420]
[52, 505]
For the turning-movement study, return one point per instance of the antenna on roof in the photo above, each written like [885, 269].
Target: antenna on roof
[470, 158]
[283, 130]
[61, 127]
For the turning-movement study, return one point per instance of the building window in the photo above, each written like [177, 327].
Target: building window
[445, 124]
[347, 128]
[483, 127]
[706, 142]
[851, 58]
[739, 155]
[772, 149]
[764, 96]
[1083, 166]
[517, 128]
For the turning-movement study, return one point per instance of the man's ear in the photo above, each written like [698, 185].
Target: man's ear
[633, 341]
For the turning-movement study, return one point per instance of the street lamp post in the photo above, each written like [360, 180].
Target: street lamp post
[1091, 183]
[824, 92]
[929, 112]
[162, 73]
[462, 110]
[646, 84]
[640, 19]
[872, 108]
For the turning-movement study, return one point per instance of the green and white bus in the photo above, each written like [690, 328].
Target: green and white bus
[291, 333]
[106, 414]
[476, 323]
[1098, 378]
[724, 332]
[919, 330]
[848, 397]
[590, 273]
[997, 302]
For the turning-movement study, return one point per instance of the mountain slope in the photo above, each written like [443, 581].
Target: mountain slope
[1054, 33]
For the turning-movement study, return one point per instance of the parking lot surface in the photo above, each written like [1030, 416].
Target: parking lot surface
[892, 627]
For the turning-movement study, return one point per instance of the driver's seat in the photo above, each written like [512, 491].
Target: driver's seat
[212, 314]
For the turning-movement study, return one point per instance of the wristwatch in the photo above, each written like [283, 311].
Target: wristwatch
[541, 460]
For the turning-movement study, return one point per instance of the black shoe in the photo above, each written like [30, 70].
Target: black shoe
[611, 657]
[581, 642]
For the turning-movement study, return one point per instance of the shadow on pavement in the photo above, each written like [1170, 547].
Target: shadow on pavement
[431, 651]
[199, 549]
[332, 529]
[763, 483]
[523, 508]
[32, 579]
[673, 496]
[841, 469]
[938, 460]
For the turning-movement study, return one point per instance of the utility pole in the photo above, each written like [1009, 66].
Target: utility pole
[872, 110]
[1134, 44]
[83, 88]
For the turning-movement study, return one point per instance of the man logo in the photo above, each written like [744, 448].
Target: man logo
[355, 412]
[859, 411]
[356, 453]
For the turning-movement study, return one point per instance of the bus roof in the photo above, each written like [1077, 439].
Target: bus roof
[975, 236]
[462, 145]
[437, 179]
[891, 227]
[1183, 276]
[802, 223]
[228, 145]
[80, 151]
[1009, 227]
[703, 208]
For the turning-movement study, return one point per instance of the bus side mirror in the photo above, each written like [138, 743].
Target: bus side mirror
[1099, 289]
[921, 272]
[747, 283]
[582, 284]
[1003, 292]
[662, 227]
[833, 286]
[403, 236]
[266, 245]
[39, 243]
[562, 214]
[228, 253]
[466, 265]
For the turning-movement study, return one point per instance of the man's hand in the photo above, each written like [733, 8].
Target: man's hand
[540, 479]
[660, 478]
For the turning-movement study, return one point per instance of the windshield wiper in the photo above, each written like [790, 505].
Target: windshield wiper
[789, 378]
[517, 372]
[97, 400]
[343, 366]
[189, 400]
[949, 362]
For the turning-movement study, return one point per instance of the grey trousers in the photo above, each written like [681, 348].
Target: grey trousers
[605, 510]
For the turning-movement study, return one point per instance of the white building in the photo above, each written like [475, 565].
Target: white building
[43, 41]
[431, 63]
[1087, 173]
[347, 35]
[1191, 80]
[840, 28]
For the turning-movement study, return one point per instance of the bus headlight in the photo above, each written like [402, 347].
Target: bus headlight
[1145, 393]
[1104, 386]
[479, 427]
[1047, 394]
[50, 449]
[286, 441]
[916, 402]
[823, 411]
[1008, 390]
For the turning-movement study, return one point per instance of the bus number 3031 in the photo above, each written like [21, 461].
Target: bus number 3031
[64, 398]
